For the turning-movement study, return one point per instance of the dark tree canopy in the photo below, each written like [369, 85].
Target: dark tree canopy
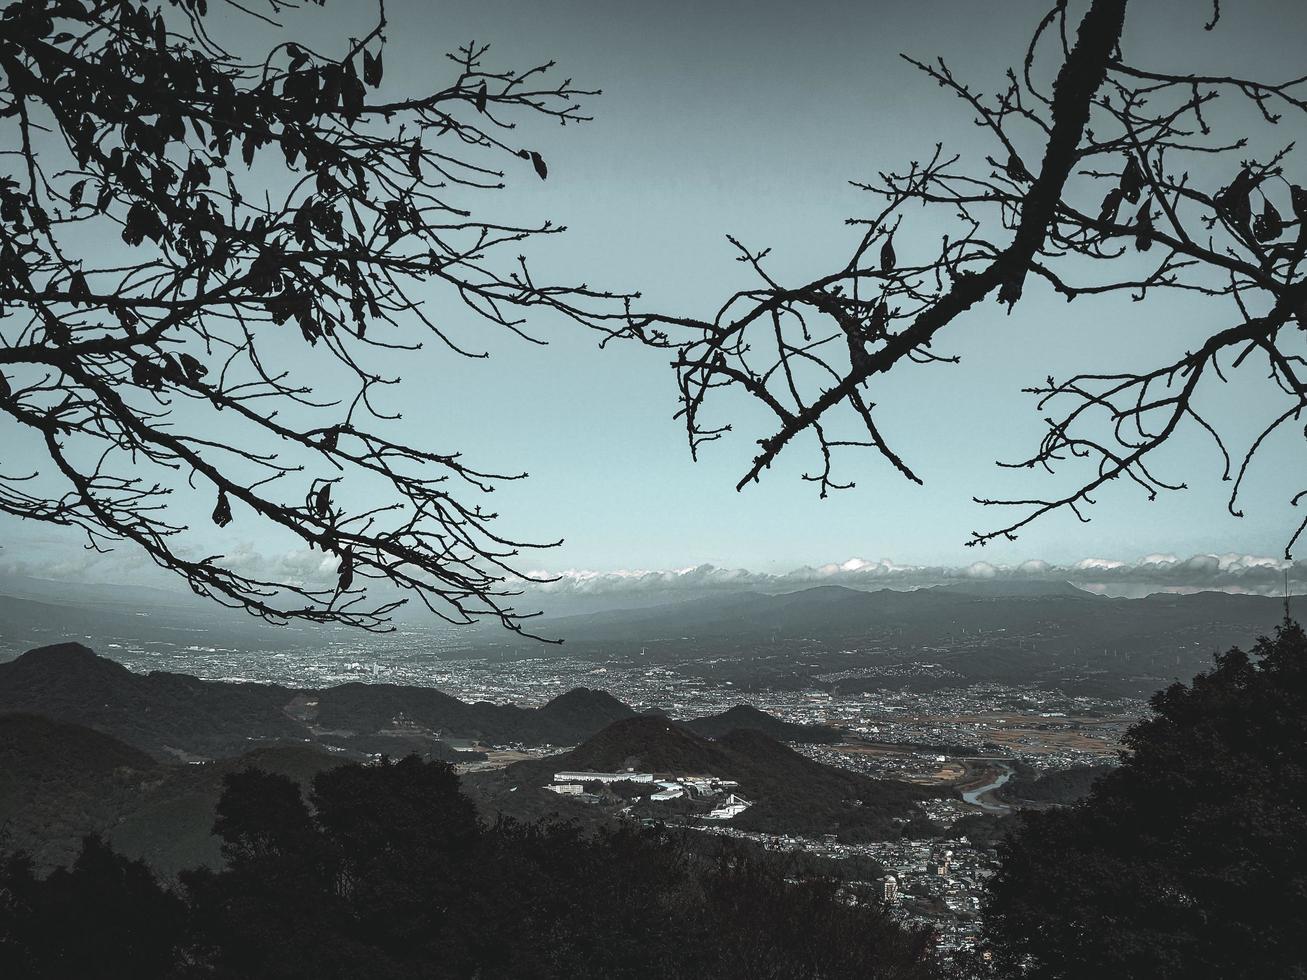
[1104, 178]
[1190, 859]
[104, 916]
[187, 235]
[391, 875]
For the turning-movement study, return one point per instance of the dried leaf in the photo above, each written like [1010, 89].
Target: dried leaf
[1016, 170]
[222, 512]
[1298, 200]
[1144, 229]
[1111, 204]
[1269, 225]
[879, 319]
[887, 256]
[1132, 180]
[372, 69]
[79, 291]
[192, 368]
[1233, 201]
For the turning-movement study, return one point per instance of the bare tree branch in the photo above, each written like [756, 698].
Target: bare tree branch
[263, 207]
[1135, 194]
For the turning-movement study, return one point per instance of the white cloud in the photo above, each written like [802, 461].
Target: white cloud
[1231, 572]
[1157, 573]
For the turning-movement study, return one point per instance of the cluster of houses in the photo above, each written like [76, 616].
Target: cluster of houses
[727, 803]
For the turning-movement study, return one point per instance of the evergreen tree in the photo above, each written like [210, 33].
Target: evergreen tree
[1190, 860]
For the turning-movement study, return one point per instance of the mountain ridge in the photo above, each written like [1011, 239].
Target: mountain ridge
[174, 716]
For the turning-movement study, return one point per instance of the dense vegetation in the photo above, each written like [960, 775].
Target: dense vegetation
[1190, 859]
[61, 782]
[1058, 787]
[389, 873]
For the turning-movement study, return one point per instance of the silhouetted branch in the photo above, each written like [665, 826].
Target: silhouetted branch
[280, 219]
[1133, 193]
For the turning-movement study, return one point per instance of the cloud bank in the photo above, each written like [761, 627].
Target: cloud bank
[1151, 573]
[1256, 574]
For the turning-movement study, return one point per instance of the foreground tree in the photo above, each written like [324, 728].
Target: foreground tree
[392, 876]
[1190, 859]
[205, 259]
[105, 916]
[1113, 179]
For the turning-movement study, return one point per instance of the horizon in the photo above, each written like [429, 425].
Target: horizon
[610, 471]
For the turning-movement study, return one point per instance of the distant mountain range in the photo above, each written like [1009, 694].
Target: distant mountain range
[835, 612]
[174, 716]
[34, 612]
[1046, 633]
[1051, 634]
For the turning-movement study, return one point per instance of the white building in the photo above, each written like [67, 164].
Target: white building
[889, 889]
[566, 789]
[733, 806]
[603, 777]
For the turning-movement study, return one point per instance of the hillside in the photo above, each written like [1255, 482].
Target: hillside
[179, 716]
[745, 716]
[790, 792]
[176, 716]
[1057, 788]
[565, 720]
[60, 782]
[165, 714]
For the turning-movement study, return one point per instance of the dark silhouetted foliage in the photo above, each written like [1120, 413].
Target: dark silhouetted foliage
[386, 872]
[1190, 859]
[104, 917]
[1057, 787]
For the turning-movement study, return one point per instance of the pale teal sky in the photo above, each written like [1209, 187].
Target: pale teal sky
[749, 119]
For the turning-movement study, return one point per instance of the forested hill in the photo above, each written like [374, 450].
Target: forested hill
[174, 716]
[790, 793]
[744, 716]
[59, 782]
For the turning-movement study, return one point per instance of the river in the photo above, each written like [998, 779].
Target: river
[973, 796]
